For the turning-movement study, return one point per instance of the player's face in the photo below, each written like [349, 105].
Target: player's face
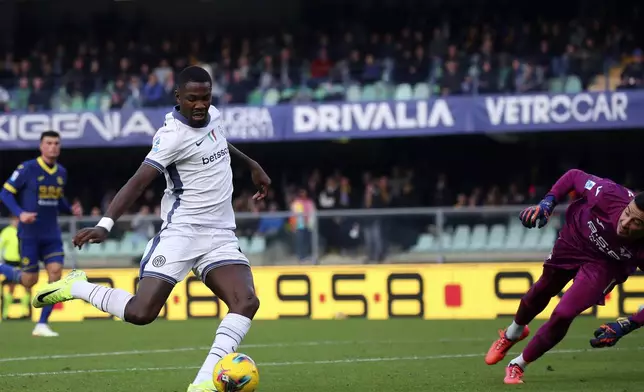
[50, 147]
[631, 222]
[194, 100]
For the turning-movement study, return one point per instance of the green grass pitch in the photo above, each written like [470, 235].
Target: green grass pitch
[308, 356]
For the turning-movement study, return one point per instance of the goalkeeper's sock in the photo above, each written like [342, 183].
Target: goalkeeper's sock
[519, 361]
[229, 336]
[514, 331]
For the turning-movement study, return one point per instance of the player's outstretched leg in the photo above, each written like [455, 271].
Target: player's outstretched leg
[551, 282]
[233, 284]
[587, 290]
[139, 309]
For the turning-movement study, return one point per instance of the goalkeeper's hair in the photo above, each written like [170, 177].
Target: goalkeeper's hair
[193, 73]
[639, 201]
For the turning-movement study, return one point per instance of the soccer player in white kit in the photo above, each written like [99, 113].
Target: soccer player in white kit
[198, 226]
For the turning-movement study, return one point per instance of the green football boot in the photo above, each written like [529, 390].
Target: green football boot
[59, 291]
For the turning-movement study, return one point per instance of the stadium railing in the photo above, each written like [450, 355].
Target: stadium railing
[336, 237]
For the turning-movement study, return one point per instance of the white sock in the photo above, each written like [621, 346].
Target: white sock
[229, 336]
[514, 331]
[108, 300]
[519, 361]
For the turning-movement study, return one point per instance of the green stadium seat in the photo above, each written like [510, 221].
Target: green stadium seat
[422, 91]
[255, 98]
[424, 244]
[403, 92]
[320, 93]
[573, 85]
[479, 237]
[106, 102]
[497, 237]
[556, 85]
[548, 238]
[531, 240]
[383, 91]
[77, 103]
[368, 93]
[287, 94]
[444, 242]
[354, 93]
[461, 239]
[271, 97]
[257, 245]
[93, 102]
[244, 244]
[112, 248]
[514, 237]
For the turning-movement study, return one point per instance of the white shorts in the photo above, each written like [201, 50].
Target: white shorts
[181, 247]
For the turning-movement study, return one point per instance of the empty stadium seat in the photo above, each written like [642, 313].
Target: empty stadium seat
[514, 237]
[422, 91]
[244, 244]
[271, 97]
[573, 85]
[353, 93]
[548, 238]
[368, 93]
[461, 240]
[257, 245]
[497, 237]
[256, 97]
[403, 92]
[531, 240]
[112, 248]
[424, 244]
[479, 237]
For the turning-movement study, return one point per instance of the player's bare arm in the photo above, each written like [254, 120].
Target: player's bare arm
[121, 203]
[259, 176]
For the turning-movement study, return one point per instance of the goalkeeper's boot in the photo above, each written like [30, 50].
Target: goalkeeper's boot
[57, 292]
[206, 386]
[513, 374]
[502, 345]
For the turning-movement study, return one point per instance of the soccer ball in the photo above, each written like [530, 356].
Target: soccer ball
[236, 372]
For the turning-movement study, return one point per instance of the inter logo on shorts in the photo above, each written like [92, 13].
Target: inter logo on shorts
[158, 261]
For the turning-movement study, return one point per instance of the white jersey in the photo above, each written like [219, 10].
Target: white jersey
[196, 165]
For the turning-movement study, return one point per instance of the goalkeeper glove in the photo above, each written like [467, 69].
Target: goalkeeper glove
[609, 334]
[540, 213]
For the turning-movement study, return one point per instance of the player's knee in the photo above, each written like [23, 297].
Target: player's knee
[55, 272]
[246, 306]
[140, 316]
[139, 313]
[29, 280]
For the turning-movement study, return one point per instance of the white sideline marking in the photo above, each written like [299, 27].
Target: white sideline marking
[295, 363]
[264, 345]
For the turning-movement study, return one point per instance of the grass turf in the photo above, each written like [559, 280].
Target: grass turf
[308, 356]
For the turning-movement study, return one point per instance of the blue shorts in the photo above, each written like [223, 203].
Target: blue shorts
[47, 250]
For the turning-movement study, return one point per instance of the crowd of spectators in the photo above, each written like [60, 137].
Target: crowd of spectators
[451, 58]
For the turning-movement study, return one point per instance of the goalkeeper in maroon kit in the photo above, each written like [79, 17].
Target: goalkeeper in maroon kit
[600, 246]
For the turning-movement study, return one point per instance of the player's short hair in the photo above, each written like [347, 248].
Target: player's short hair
[193, 73]
[639, 201]
[49, 134]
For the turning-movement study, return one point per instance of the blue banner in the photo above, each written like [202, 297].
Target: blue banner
[449, 115]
